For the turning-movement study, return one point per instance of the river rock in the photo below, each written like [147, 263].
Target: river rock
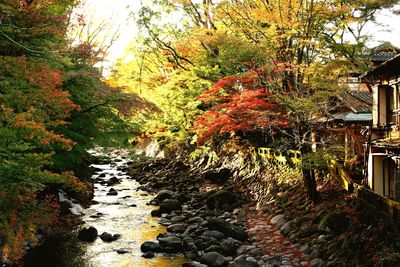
[203, 243]
[243, 262]
[334, 222]
[315, 262]
[113, 181]
[65, 207]
[177, 219]
[112, 192]
[243, 249]
[170, 242]
[278, 220]
[123, 250]
[188, 244]
[169, 205]
[218, 177]
[154, 202]
[107, 237]
[88, 234]
[97, 215]
[155, 213]
[193, 264]
[215, 248]
[164, 194]
[227, 228]
[222, 199]
[229, 246]
[216, 234]
[177, 228]
[213, 259]
[195, 220]
[148, 255]
[180, 166]
[96, 169]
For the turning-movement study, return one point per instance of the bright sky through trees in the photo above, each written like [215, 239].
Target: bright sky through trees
[120, 14]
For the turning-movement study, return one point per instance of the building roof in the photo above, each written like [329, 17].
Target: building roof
[357, 101]
[386, 47]
[353, 117]
[384, 56]
[356, 107]
[389, 67]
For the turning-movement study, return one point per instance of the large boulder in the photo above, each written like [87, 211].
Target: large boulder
[227, 228]
[222, 199]
[219, 176]
[88, 234]
[213, 259]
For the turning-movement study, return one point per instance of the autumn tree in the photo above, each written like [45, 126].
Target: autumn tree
[51, 111]
[33, 27]
[90, 38]
[239, 104]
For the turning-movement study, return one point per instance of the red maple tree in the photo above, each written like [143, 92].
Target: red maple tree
[239, 104]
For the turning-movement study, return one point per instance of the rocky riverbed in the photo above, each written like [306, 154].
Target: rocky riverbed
[167, 213]
[214, 221]
[210, 222]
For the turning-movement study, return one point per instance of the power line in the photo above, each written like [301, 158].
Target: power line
[19, 44]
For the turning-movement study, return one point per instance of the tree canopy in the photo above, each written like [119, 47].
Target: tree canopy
[53, 108]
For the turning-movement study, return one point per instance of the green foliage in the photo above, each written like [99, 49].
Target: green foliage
[51, 113]
[172, 102]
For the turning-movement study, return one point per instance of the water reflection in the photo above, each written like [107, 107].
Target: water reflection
[126, 214]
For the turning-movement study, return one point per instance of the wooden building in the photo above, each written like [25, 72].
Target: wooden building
[383, 146]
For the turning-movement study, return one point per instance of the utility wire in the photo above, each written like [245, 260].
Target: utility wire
[20, 45]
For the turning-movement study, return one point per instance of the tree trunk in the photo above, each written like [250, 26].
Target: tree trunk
[309, 175]
[310, 184]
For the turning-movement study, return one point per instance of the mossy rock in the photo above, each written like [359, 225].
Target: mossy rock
[334, 222]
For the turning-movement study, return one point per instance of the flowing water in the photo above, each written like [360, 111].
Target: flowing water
[126, 214]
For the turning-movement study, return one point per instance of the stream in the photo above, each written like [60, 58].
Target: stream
[126, 214]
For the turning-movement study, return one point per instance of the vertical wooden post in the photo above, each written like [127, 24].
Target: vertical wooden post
[346, 147]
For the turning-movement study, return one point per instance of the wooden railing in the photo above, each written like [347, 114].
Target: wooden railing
[390, 207]
[280, 157]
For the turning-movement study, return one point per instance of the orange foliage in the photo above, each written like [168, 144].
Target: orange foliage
[40, 104]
